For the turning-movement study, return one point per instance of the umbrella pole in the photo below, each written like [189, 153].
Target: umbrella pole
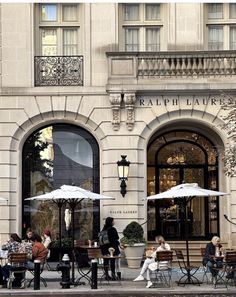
[191, 280]
[59, 204]
[59, 217]
[186, 237]
[73, 238]
[73, 203]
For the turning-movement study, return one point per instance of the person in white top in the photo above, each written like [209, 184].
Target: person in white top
[47, 240]
[162, 246]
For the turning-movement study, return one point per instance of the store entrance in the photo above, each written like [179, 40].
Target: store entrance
[176, 157]
[169, 214]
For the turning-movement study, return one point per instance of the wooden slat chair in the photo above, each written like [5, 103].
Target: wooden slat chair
[163, 272]
[17, 263]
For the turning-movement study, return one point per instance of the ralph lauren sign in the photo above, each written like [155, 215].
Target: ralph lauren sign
[191, 101]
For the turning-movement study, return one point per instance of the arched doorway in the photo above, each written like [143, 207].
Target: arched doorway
[174, 157]
[52, 156]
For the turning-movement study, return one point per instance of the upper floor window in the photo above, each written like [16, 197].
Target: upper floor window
[57, 45]
[58, 29]
[221, 24]
[141, 26]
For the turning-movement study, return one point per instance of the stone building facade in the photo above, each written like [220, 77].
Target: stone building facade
[148, 81]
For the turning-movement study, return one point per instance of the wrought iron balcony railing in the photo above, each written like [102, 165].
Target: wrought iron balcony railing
[58, 70]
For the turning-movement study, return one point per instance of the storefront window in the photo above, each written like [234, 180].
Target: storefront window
[53, 156]
[173, 158]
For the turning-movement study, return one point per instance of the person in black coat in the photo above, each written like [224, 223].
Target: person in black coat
[113, 243]
[209, 259]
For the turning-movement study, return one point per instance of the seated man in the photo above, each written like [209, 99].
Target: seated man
[210, 258]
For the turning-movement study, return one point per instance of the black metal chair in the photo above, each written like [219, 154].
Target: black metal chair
[204, 267]
[188, 271]
[230, 262]
[42, 265]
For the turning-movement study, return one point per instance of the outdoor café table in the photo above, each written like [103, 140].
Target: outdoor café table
[84, 272]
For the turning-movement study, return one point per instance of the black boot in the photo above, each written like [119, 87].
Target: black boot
[113, 275]
[107, 276]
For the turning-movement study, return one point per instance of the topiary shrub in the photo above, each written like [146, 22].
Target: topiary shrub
[133, 233]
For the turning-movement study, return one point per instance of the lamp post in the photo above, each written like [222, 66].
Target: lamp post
[123, 172]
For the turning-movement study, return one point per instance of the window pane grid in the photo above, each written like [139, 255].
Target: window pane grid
[152, 40]
[215, 11]
[69, 42]
[215, 39]
[232, 10]
[152, 12]
[131, 40]
[131, 12]
[49, 42]
[69, 13]
[49, 12]
[232, 45]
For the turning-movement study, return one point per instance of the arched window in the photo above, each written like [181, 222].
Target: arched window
[173, 158]
[53, 156]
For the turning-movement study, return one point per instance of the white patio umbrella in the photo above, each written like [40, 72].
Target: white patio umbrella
[72, 195]
[187, 192]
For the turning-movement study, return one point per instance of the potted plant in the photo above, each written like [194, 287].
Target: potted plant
[134, 244]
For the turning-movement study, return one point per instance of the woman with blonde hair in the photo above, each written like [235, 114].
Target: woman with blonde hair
[150, 258]
[211, 253]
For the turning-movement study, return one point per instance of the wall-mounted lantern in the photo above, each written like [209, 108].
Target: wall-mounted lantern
[123, 172]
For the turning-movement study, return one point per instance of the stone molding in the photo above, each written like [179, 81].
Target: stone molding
[129, 100]
[115, 100]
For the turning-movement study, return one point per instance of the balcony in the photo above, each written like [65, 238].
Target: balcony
[171, 67]
[58, 70]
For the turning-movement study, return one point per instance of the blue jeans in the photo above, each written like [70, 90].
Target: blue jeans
[211, 265]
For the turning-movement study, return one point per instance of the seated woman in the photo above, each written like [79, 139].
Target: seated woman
[209, 259]
[39, 252]
[13, 245]
[47, 240]
[162, 246]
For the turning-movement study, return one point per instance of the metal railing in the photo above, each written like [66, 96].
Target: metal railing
[58, 70]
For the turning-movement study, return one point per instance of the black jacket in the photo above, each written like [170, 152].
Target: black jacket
[209, 253]
[114, 242]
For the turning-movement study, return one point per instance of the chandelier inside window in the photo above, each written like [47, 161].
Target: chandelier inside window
[177, 157]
